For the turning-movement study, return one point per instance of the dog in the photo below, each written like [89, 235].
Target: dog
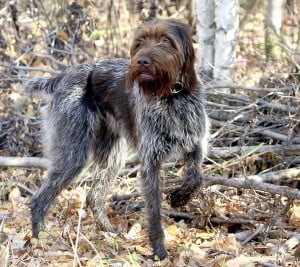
[152, 102]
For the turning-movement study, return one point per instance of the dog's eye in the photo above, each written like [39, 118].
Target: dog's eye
[136, 45]
[165, 40]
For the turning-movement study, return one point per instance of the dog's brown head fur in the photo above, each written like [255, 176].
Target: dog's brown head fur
[162, 55]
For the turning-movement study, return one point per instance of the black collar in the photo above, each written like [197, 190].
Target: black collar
[178, 86]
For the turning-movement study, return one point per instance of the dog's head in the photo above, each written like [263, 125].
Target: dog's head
[162, 58]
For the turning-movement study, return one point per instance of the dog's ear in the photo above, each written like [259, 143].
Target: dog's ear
[128, 84]
[129, 81]
[189, 77]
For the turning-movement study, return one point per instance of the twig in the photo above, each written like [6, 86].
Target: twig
[258, 230]
[275, 135]
[50, 58]
[276, 216]
[25, 188]
[272, 221]
[76, 257]
[75, 247]
[6, 65]
[231, 97]
[92, 246]
[233, 221]
[250, 88]
[279, 107]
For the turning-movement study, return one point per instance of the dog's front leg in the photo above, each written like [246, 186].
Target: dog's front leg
[152, 196]
[193, 178]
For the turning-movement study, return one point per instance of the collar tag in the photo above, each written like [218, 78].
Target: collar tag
[178, 87]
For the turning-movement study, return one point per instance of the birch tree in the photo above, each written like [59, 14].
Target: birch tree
[273, 29]
[217, 28]
[206, 36]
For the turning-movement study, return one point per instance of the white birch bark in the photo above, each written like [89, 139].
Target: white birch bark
[227, 29]
[206, 36]
[273, 29]
[274, 16]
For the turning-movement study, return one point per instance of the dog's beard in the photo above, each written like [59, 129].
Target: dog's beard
[153, 83]
[154, 87]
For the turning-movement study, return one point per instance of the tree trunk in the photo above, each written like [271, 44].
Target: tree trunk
[227, 29]
[273, 29]
[217, 28]
[206, 36]
[296, 60]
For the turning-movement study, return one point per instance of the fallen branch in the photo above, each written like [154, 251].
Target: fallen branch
[23, 162]
[252, 184]
[229, 152]
[179, 215]
[216, 152]
[275, 135]
[288, 175]
[278, 107]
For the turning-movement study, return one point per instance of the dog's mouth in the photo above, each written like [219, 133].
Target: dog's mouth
[147, 76]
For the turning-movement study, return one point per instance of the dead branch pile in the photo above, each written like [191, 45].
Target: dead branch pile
[262, 120]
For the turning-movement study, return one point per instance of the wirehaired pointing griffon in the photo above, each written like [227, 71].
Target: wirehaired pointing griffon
[153, 103]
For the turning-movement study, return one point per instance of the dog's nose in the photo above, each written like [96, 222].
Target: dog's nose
[144, 61]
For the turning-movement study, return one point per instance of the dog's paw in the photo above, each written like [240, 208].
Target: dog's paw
[159, 253]
[158, 247]
[178, 198]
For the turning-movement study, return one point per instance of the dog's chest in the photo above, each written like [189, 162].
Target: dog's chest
[175, 124]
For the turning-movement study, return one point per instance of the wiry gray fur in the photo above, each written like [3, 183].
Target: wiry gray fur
[91, 114]
[74, 131]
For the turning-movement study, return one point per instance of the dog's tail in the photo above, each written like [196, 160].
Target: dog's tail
[43, 84]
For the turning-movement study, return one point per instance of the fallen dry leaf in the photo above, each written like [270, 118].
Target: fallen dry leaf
[135, 232]
[294, 213]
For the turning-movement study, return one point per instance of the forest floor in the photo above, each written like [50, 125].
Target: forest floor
[231, 222]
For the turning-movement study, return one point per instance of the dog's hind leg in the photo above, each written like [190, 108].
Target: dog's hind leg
[67, 164]
[67, 139]
[109, 155]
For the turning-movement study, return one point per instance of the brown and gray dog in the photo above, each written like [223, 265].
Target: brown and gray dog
[153, 103]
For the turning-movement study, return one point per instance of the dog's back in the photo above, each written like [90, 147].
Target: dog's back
[87, 92]
[101, 74]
